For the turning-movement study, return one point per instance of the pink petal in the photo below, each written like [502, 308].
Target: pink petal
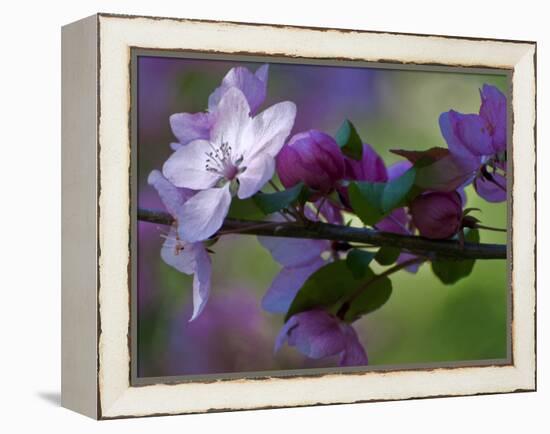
[255, 175]
[253, 86]
[398, 169]
[283, 333]
[187, 167]
[396, 222]
[314, 333]
[330, 212]
[262, 72]
[201, 280]
[286, 285]
[370, 168]
[203, 214]
[174, 146]
[178, 255]
[404, 257]
[232, 120]
[191, 126]
[493, 110]
[489, 191]
[354, 354]
[294, 252]
[467, 135]
[172, 197]
[268, 131]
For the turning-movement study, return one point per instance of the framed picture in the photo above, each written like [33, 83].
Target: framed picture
[260, 216]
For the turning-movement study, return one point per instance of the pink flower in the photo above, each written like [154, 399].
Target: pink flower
[318, 334]
[188, 258]
[192, 126]
[239, 158]
[478, 142]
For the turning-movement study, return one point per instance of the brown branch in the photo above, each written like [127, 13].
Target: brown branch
[440, 249]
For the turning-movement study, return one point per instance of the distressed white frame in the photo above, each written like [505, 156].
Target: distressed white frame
[117, 34]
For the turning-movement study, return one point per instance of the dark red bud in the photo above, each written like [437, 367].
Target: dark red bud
[437, 215]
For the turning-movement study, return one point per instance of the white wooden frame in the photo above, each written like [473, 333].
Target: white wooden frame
[96, 218]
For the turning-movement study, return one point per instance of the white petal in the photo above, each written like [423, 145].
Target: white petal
[203, 214]
[231, 118]
[178, 255]
[268, 131]
[201, 279]
[172, 197]
[187, 167]
[255, 175]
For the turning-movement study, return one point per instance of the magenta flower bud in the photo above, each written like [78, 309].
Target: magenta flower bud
[311, 157]
[370, 168]
[437, 215]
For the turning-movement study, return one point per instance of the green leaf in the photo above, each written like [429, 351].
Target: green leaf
[329, 288]
[358, 262]
[472, 236]
[372, 201]
[273, 202]
[366, 201]
[450, 272]
[387, 255]
[325, 287]
[397, 190]
[305, 194]
[375, 295]
[349, 141]
[245, 210]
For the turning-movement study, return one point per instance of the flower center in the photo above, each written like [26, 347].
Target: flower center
[220, 162]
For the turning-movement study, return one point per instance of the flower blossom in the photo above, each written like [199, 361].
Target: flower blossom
[238, 158]
[478, 141]
[188, 258]
[318, 334]
[192, 126]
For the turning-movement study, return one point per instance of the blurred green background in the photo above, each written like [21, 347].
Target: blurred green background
[423, 322]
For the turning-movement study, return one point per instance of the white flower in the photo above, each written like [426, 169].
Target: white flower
[239, 158]
[187, 258]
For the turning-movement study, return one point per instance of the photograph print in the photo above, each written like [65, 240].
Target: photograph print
[295, 217]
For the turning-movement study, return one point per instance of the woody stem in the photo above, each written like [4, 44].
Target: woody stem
[432, 249]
